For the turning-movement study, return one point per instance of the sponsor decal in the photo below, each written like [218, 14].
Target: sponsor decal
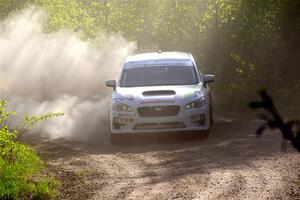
[128, 97]
[124, 115]
[188, 95]
[194, 92]
[155, 63]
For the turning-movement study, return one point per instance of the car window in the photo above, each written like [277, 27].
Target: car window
[159, 75]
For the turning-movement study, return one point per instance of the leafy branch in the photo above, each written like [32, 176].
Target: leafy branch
[30, 122]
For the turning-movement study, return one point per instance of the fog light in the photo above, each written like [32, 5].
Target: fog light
[198, 119]
[118, 122]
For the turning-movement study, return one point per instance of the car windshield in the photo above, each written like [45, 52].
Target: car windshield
[159, 75]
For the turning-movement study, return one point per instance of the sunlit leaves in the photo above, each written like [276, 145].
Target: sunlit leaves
[19, 163]
[31, 121]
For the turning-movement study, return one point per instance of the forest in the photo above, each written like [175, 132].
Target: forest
[248, 44]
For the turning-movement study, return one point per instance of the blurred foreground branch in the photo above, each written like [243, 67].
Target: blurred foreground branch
[290, 130]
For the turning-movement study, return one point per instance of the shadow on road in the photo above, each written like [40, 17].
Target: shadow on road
[160, 158]
[236, 138]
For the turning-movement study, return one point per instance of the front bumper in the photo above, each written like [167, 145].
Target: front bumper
[186, 120]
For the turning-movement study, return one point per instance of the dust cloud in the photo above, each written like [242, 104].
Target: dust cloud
[57, 72]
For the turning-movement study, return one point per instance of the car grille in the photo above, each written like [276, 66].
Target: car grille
[158, 111]
[164, 125]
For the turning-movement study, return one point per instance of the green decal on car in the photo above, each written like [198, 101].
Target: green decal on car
[188, 95]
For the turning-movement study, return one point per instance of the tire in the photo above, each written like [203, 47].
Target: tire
[211, 116]
[205, 133]
[115, 139]
[211, 122]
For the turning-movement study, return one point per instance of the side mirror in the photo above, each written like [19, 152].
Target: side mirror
[111, 83]
[208, 78]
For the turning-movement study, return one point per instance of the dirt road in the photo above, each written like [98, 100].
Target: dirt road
[232, 163]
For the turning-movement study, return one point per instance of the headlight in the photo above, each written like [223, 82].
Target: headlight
[196, 104]
[121, 107]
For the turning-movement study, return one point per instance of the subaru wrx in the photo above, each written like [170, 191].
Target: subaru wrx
[160, 92]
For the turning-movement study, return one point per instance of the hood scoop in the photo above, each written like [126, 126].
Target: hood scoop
[159, 93]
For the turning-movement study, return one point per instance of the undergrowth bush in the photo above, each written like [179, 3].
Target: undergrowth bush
[21, 170]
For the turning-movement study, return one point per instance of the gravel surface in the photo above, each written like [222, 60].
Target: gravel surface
[232, 163]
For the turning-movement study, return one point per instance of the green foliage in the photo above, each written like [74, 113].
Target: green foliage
[246, 75]
[262, 32]
[30, 122]
[7, 7]
[20, 166]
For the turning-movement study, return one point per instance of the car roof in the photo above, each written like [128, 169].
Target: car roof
[159, 56]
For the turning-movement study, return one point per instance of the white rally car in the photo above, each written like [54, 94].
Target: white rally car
[160, 92]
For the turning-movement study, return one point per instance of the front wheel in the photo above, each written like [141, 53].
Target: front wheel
[211, 116]
[210, 122]
[115, 139]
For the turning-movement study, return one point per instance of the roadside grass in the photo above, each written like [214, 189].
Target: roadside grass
[22, 172]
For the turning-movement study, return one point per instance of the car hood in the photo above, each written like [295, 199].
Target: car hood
[159, 94]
